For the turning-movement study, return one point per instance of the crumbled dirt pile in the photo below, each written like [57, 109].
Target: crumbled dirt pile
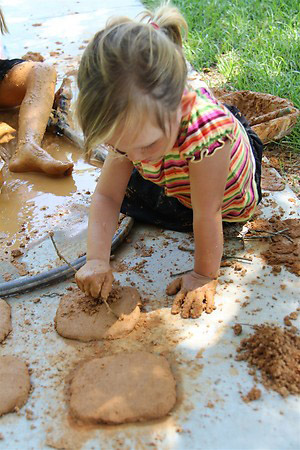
[33, 56]
[275, 352]
[253, 394]
[284, 248]
[88, 304]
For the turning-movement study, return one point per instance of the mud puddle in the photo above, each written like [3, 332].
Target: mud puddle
[32, 204]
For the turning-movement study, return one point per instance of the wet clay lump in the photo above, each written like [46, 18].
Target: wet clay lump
[126, 387]
[14, 384]
[86, 319]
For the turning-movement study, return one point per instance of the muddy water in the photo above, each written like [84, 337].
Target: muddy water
[31, 204]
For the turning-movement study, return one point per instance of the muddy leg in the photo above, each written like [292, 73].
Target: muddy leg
[32, 85]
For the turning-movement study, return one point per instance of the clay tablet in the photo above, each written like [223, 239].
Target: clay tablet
[126, 387]
[5, 319]
[14, 383]
[86, 319]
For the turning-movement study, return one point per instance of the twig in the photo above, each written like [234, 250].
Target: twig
[70, 265]
[185, 249]
[224, 257]
[58, 252]
[270, 234]
[247, 325]
[236, 258]
[180, 273]
[109, 308]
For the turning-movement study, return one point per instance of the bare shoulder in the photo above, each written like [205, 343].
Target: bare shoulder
[208, 178]
[115, 175]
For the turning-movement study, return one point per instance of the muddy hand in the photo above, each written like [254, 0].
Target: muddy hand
[194, 294]
[95, 278]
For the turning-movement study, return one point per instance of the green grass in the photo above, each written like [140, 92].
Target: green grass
[254, 44]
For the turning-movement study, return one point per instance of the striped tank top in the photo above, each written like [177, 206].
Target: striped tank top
[201, 135]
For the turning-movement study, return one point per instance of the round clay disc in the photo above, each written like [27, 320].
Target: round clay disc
[126, 387]
[14, 383]
[5, 319]
[87, 319]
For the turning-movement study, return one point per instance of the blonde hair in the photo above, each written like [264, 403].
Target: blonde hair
[3, 26]
[131, 69]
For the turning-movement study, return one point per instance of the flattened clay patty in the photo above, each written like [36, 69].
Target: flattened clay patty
[127, 387]
[14, 383]
[5, 319]
[86, 319]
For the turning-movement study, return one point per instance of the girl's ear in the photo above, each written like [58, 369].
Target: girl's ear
[187, 103]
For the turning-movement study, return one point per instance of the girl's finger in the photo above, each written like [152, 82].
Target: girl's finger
[210, 302]
[187, 305]
[86, 288]
[107, 285]
[79, 284]
[95, 288]
[174, 287]
[197, 307]
[176, 307]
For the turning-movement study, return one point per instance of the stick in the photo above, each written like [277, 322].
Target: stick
[58, 253]
[269, 235]
[224, 257]
[67, 262]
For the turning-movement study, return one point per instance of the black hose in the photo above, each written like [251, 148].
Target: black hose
[61, 273]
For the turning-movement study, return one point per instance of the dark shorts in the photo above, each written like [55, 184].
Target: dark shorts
[7, 64]
[147, 202]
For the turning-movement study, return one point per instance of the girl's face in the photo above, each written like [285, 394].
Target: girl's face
[151, 143]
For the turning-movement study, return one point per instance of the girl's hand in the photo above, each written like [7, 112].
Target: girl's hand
[195, 294]
[95, 278]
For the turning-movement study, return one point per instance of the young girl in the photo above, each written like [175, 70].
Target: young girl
[30, 85]
[188, 162]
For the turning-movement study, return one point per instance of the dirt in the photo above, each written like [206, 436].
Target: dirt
[110, 390]
[33, 56]
[237, 329]
[85, 319]
[274, 354]
[271, 181]
[287, 162]
[253, 394]
[283, 249]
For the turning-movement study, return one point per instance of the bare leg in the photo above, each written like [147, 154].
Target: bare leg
[32, 85]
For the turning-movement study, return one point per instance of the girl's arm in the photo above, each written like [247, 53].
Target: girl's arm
[106, 204]
[95, 277]
[208, 180]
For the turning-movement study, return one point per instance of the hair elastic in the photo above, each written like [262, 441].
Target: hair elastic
[154, 25]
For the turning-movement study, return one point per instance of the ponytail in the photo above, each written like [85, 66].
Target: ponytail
[169, 20]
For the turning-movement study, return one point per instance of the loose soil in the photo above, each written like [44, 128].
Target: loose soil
[274, 353]
[283, 249]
